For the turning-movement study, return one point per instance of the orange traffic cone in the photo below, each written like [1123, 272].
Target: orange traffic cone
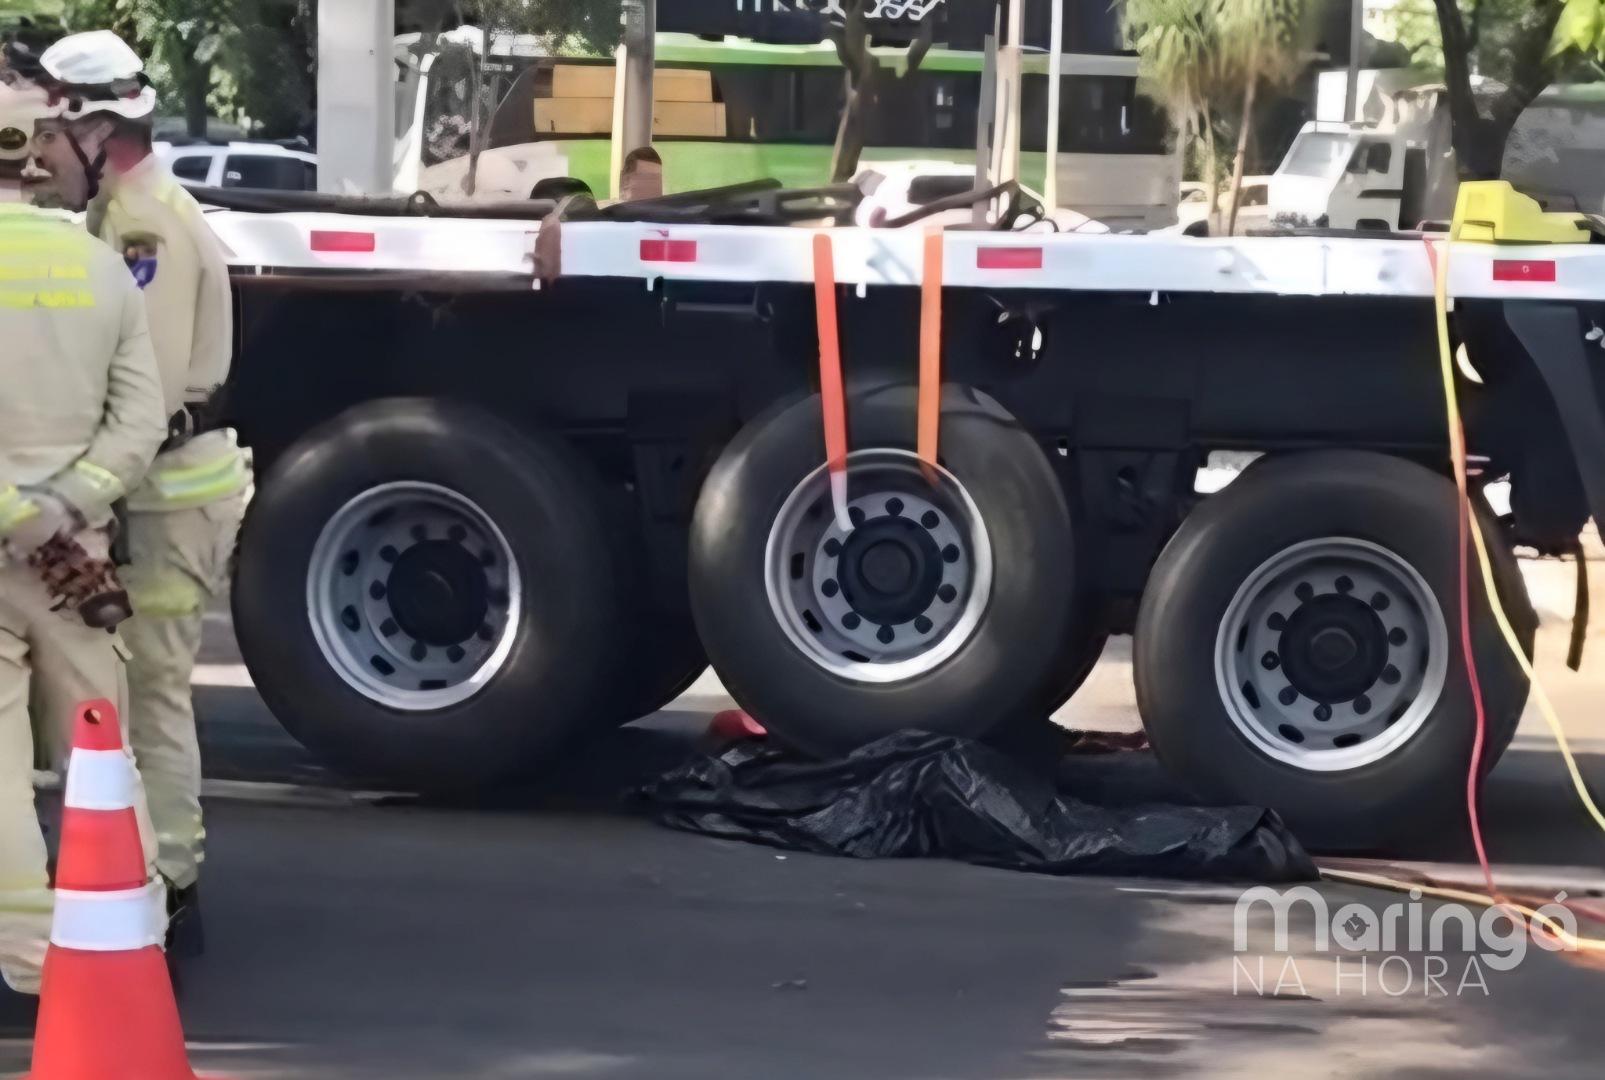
[106, 1007]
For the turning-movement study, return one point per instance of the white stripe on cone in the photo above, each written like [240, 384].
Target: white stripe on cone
[122, 921]
[100, 780]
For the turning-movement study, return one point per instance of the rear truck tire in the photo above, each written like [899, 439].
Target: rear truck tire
[427, 595]
[1298, 647]
[939, 609]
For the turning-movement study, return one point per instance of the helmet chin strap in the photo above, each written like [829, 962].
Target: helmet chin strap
[94, 170]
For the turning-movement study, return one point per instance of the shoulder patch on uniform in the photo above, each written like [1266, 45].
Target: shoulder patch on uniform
[140, 253]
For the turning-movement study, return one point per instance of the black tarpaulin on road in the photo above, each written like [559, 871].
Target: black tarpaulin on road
[916, 795]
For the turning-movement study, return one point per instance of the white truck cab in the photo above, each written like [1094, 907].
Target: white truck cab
[1344, 176]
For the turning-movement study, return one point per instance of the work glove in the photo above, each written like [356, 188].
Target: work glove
[31, 517]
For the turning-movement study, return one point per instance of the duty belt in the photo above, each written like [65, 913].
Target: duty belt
[181, 428]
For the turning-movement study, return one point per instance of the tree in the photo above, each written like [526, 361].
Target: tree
[1480, 131]
[25, 14]
[1178, 62]
[591, 25]
[864, 75]
[1262, 44]
[1197, 55]
[1580, 29]
[181, 40]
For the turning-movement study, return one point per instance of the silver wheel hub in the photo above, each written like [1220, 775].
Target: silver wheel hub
[1332, 654]
[414, 596]
[896, 589]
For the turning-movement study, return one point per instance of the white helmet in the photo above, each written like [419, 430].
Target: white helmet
[21, 106]
[97, 72]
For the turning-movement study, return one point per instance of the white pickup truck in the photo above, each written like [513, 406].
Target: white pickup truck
[501, 503]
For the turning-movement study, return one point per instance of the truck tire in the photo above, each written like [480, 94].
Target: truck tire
[1298, 647]
[427, 596]
[940, 609]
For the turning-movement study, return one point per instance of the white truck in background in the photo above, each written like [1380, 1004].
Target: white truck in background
[1395, 167]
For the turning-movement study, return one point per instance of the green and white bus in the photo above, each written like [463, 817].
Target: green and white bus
[733, 110]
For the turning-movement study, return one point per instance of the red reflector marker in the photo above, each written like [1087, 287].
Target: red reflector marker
[323, 240]
[1515, 270]
[1008, 258]
[675, 251]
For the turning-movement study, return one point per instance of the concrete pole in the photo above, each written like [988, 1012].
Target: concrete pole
[1050, 178]
[632, 107]
[356, 96]
[1351, 96]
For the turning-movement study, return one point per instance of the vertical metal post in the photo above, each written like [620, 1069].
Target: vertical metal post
[357, 96]
[985, 119]
[1050, 179]
[1006, 152]
[637, 57]
[1351, 96]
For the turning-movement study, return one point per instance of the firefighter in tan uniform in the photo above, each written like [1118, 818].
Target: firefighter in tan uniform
[184, 520]
[81, 416]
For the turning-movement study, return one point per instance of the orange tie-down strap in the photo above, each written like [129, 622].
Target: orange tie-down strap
[831, 392]
[930, 390]
[831, 389]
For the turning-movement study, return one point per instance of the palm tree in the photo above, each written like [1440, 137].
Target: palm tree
[1261, 41]
[1195, 54]
[1177, 42]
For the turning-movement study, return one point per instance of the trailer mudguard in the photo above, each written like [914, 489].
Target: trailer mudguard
[1552, 334]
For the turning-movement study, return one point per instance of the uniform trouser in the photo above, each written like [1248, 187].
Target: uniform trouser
[179, 564]
[52, 663]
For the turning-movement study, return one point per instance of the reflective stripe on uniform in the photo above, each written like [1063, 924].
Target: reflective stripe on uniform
[44, 272]
[104, 481]
[197, 485]
[121, 921]
[166, 595]
[100, 780]
[15, 509]
[24, 299]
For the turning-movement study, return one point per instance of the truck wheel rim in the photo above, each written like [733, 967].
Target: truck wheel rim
[1332, 655]
[414, 596]
[897, 593]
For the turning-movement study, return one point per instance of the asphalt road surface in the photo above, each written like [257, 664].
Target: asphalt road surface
[557, 936]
